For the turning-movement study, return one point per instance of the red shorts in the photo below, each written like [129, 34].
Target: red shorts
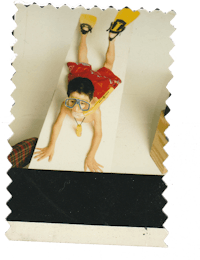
[102, 79]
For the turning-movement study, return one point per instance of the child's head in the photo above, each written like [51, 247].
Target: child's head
[82, 86]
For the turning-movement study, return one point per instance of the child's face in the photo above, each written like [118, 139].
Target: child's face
[76, 109]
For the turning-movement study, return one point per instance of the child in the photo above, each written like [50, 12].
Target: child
[85, 87]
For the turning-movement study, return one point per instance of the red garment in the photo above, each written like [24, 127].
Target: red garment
[102, 79]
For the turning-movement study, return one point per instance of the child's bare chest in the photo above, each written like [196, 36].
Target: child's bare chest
[87, 119]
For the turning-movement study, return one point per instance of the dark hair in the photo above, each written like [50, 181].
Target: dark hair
[81, 85]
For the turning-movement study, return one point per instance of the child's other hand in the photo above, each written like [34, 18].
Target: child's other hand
[44, 152]
[92, 165]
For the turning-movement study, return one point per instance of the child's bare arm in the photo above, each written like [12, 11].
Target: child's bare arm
[49, 150]
[90, 161]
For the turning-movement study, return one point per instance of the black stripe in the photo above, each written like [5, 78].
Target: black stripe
[86, 198]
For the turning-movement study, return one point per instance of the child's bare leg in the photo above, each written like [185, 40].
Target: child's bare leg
[110, 55]
[82, 52]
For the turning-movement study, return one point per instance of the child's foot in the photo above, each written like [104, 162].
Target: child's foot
[112, 36]
[87, 22]
[115, 29]
[85, 28]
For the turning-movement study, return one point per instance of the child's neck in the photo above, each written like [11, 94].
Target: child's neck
[77, 116]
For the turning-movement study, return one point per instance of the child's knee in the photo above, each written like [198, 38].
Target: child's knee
[108, 65]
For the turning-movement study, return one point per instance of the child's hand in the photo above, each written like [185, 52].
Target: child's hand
[92, 165]
[44, 152]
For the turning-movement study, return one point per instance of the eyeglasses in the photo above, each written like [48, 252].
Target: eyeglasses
[71, 102]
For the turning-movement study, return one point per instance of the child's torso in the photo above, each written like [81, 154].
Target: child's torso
[88, 119]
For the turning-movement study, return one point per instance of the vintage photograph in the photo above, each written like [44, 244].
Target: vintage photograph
[89, 130]
[91, 87]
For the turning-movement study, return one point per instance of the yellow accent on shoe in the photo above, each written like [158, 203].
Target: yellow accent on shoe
[88, 19]
[127, 15]
[122, 19]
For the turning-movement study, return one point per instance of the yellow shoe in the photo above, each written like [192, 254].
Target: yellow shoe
[87, 21]
[123, 18]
